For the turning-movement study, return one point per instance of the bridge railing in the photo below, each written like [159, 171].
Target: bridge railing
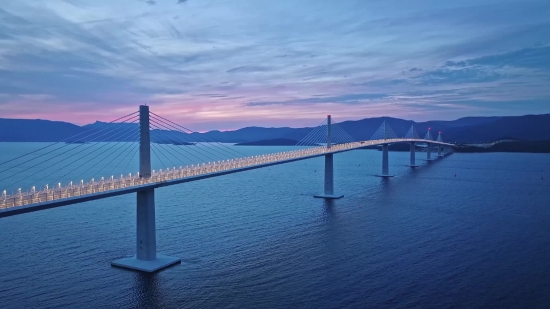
[92, 187]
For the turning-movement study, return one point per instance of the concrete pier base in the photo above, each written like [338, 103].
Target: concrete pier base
[385, 162]
[329, 179]
[162, 261]
[429, 153]
[413, 156]
[329, 196]
[146, 259]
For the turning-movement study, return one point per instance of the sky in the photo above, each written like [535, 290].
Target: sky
[227, 64]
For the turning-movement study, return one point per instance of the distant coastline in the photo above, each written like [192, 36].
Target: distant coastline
[271, 142]
[510, 146]
[498, 146]
[468, 130]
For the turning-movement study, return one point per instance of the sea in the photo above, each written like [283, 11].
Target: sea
[463, 231]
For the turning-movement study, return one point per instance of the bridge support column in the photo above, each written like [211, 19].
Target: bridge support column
[439, 151]
[413, 155]
[428, 152]
[329, 179]
[146, 258]
[329, 169]
[385, 162]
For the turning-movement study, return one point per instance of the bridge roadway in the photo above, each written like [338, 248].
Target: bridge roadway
[24, 202]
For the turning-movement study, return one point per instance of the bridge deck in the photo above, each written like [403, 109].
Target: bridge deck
[24, 202]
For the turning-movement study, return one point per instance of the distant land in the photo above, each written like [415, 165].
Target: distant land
[464, 130]
[271, 142]
[498, 146]
[511, 146]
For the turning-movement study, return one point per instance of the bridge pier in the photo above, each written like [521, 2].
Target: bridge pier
[146, 258]
[413, 155]
[328, 192]
[428, 152]
[439, 151]
[385, 162]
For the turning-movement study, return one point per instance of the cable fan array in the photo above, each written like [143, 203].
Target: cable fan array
[109, 149]
[176, 152]
[175, 145]
[318, 136]
[384, 132]
[76, 156]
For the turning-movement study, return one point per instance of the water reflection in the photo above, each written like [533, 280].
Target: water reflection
[147, 291]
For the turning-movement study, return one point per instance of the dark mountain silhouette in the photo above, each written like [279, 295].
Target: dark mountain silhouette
[529, 128]
[29, 130]
[271, 142]
[463, 130]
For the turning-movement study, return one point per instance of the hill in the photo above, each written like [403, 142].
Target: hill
[28, 130]
[463, 130]
[271, 142]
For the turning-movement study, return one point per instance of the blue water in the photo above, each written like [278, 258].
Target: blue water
[257, 239]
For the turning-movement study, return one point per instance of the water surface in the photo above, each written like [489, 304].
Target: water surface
[258, 239]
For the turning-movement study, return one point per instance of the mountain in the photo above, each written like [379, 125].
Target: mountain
[271, 142]
[529, 128]
[28, 130]
[464, 130]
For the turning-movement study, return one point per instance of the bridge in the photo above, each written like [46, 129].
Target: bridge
[334, 140]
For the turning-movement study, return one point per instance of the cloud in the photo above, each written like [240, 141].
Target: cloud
[220, 64]
[458, 75]
[248, 69]
[343, 99]
[537, 57]
[181, 1]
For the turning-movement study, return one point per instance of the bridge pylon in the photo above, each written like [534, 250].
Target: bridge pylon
[428, 145]
[329, 168]
[439, 147]
[146, 258]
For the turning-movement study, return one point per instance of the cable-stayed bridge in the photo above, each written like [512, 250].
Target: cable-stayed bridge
[170, 143]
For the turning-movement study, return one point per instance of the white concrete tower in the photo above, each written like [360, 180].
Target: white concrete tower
[428, 145]
[439, 147]
[146, 258]
[329, 167]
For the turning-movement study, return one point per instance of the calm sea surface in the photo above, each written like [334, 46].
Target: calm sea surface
[258, 239]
